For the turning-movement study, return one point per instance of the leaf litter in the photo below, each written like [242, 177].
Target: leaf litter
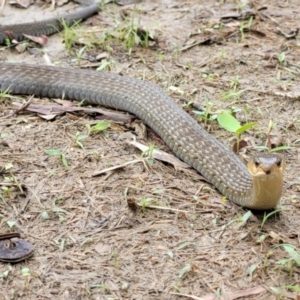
[92, 245]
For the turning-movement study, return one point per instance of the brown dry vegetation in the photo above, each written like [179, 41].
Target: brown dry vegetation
[93, 246]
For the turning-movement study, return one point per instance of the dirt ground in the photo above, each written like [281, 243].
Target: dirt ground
[89, 242]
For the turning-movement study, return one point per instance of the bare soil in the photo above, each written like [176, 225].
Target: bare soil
[93, 245]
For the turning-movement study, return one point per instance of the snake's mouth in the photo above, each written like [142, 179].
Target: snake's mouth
[263, 176]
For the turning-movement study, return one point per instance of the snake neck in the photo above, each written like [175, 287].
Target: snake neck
[266, 192]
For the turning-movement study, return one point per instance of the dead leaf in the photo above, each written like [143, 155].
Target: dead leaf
[21, 47]
[161, 155]
[42, 40]
[132, 204]
[277, 238]
[242, 144]
[57, 110]
[49, 117]
[243, 15]
[103, 249]
[290, 35]
[102, 56]
[275, 142]
[140, 129]
[20, 3]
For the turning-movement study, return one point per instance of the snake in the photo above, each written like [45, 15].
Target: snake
[257, 185]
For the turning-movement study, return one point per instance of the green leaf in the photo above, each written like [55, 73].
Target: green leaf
[81, 137]
[100, 126]
[261, 239]
[125, 286]
[53, 152]
[295, 255]
[25, 271]
[276, 290]
[280, 148]
[184, 245]
[267, 216]
[4, 274]
[45, 215]
[270, 126]
[246, 127]
[246, 216]
[61, 218]
[11, 224]
[229, 122]
[185, 270]
[295, 288]
[251, 269]
[170, 254]
[284, 261]
[64, 161]
[59, 210]
[8, 166]
[3, 135]
[231, 95]
[8, 179]
[150, 161]
[79, 144]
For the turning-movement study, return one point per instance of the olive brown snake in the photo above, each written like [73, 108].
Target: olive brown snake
[258, 187]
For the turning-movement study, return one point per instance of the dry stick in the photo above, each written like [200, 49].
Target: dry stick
[119, 166]
[162, 208]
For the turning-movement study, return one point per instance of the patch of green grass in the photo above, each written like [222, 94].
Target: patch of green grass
[186, 269]
[70, 34]
[54, 152]
[6, 95]
[106, 64]
[281, 58]
[128, 31]
[268, 145]
[289, 264]
[145, 202]
[246, 26]
[149, 154]
[242, 219]
[207, 115]
[267, 216]
[79, 138]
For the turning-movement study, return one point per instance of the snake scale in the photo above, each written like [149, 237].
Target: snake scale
[185, 137]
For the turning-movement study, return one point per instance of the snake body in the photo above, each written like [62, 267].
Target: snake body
[44, 27]
[190, 142]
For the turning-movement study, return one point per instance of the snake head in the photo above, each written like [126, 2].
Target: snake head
[267, 166]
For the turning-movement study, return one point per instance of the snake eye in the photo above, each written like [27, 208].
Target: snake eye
[256, 164]
[278, 163]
